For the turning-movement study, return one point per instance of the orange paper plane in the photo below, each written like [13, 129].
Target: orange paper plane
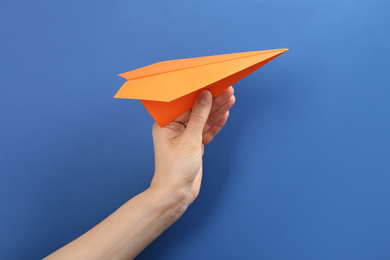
[168, 89]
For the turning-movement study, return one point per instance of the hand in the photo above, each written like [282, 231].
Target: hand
[179, 146]
[178, 154]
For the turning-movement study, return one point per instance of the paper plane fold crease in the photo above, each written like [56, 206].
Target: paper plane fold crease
[168, 89]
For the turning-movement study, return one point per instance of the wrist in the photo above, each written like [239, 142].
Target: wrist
[168, 202]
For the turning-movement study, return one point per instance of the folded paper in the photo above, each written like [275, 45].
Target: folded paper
[168, 89]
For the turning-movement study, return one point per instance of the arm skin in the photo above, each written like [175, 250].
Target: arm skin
[175, 185]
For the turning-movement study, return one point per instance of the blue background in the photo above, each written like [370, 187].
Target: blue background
[300, 171]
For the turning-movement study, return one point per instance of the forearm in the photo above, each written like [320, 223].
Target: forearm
[126, 232]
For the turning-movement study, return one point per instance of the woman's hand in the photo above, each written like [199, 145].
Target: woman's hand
[179, 146]
[176, 183]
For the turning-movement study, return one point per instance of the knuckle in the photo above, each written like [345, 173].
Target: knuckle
[155, 128]
[198, 115]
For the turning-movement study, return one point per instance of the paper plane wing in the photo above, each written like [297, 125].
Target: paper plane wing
[168, 89]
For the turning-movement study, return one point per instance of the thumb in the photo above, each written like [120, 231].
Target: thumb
[200, 113]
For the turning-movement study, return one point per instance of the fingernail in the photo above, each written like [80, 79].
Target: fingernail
[204, 97]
